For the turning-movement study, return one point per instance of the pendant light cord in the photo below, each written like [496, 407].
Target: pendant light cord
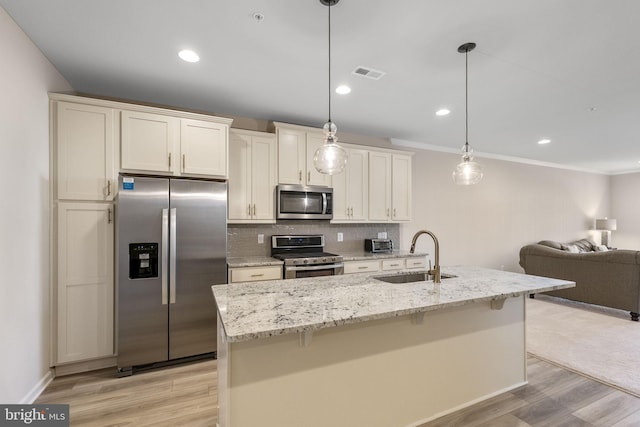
[329, 34]
[466, 101]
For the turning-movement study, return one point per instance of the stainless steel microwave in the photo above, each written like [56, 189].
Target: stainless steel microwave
[304, 202]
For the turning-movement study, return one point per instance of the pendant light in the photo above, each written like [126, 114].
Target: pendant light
[467, 172]
[330, 158]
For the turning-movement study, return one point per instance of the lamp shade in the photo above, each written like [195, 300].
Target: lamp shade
[606, 224]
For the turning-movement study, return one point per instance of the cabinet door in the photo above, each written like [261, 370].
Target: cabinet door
[313, 177]
[85, 152]
[358, 184]
[263, 177]
[341, 206]
[149, 142]
[203, 148]
[85, 281]
[291, 156]
[379, 186]
[239, 196]
[401, 188]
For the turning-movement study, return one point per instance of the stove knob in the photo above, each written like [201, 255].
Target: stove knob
[324, 260]
[306, 261]
[295, 262]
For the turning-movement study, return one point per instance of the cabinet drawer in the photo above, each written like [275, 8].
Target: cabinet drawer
[392, 264]
[418, 262]
[361, 266]
[253, 274]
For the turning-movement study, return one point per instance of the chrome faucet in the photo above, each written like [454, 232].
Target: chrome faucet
[435, 271]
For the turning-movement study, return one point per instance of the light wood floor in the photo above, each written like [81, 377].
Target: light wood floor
[186, 395]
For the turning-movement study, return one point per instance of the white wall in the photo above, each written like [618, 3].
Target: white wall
[514, 204]
[25, 79]
[625, 208]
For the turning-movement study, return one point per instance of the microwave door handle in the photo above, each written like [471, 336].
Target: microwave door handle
[324, 203]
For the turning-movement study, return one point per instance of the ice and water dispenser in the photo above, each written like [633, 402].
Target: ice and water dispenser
[143, 260]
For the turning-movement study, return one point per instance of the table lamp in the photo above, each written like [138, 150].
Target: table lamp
[606, 226]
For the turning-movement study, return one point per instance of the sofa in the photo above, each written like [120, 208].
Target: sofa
[609, 278]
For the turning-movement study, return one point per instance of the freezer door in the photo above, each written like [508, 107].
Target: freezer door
[142, 259]
[198, 221]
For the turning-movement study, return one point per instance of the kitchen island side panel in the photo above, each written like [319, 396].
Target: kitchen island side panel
[400, 371]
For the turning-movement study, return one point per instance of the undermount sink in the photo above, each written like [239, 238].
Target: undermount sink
[412, 277]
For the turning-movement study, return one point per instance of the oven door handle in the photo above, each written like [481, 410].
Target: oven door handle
[314, 267]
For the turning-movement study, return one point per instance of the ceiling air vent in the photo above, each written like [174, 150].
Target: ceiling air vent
[368, 72]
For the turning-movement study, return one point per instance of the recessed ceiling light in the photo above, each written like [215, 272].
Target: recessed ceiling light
[258, 17]
[544, 141]
[188, 55]
[343, 89]
[442, 112]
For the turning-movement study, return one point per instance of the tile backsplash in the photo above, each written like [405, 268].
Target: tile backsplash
[242, 239]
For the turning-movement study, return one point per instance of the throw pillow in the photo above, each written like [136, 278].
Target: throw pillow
[601, 248]
[573, 249]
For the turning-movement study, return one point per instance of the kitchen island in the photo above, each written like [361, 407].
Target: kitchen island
[353, 350]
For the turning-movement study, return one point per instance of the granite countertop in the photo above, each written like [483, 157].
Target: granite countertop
[253, 261]
[262, 309]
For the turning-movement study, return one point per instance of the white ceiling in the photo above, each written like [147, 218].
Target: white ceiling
[540, 68]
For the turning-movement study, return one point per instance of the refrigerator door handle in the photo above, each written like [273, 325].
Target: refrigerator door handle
[165, 253]
[172, 256]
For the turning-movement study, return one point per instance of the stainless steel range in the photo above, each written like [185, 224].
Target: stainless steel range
[304, 256]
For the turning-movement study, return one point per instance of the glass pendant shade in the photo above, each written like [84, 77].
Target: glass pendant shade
[467, 172]
[330, 158]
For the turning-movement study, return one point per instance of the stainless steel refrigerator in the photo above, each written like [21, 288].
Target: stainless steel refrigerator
[171, 240]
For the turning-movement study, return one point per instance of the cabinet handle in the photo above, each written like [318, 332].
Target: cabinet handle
[249, 210]
[184, 162]
[387, 212]
[300, 176]
[394, 212]
[108, 187]
[254, 209]
[394, 265]
[351, 211]
[257, 275]
[362, 267]
[109, 216]
[309, 177]
[169, 160]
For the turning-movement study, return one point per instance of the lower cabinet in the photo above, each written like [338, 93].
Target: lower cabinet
[85, 300]
[385, 264]
[254, 274]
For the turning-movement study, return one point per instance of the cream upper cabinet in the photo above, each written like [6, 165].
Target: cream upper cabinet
[350, 188]
[379, 186]
[84, 143]
[296, 149]
[162, 143]
[149, 142]
[401, 188]
[313, 142]
[389, 187]
[203, 148]
[85, 289]
[252, 176]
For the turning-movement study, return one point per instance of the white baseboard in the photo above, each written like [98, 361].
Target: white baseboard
[85, 366]
[37, 389]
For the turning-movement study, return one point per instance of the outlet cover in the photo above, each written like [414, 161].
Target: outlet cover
[340, 237]
[260, 239]
[382, 235]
